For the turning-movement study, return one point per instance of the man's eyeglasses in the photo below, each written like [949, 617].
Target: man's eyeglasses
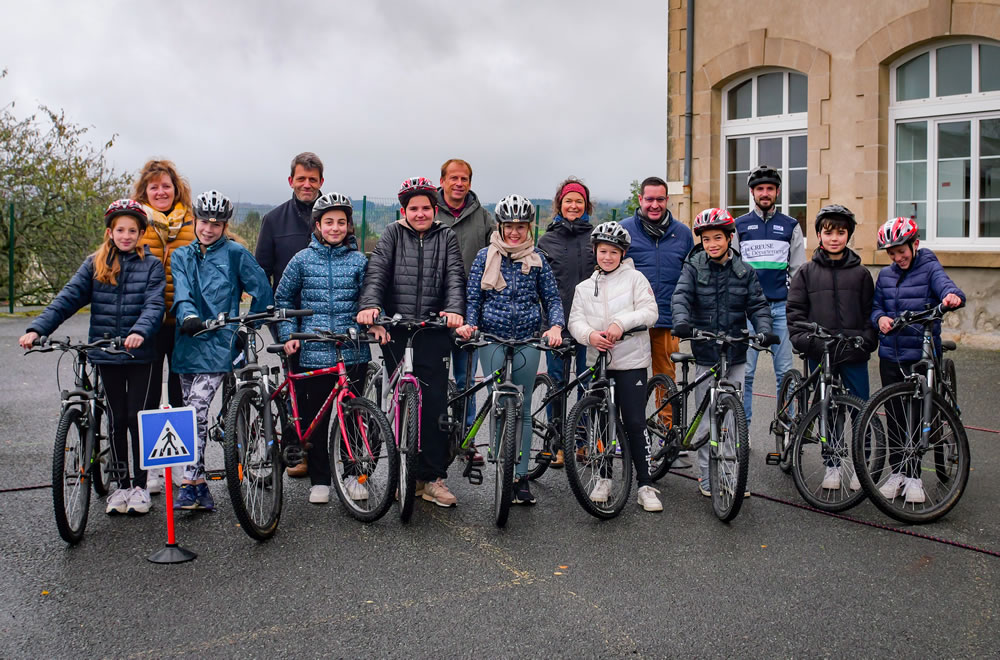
[650, 200]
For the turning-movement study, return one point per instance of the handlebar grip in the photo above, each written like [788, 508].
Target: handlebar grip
[296, 313]
[301, 336]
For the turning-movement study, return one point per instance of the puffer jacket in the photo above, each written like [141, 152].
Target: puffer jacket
[660, 259]
[719, 298]
[326, 280]
[923, 283]
[415, 276]
[134, 305]
[207, 285]
[623, 296]
[514, 312]
[566, 246]
[164, 235]
[472, 226]
[837, 294]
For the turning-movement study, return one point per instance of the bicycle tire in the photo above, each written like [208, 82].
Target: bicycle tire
[600, 460]
[456, 434]
[376, 461]
[100, 478]
[812, 456]
[373, 384]
[253, 464]
[657, 434]
[729, 461]
[406, 437]
[541, 430]
[943, 469]
[71, 474]
[950, 379]
[503, 488]
[790, 416]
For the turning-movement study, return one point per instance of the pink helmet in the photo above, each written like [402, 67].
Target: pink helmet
[126, 207]
[714, 219]
[897, 231]
[417, 185]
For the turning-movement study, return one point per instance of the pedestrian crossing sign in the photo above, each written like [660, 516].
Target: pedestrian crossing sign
[167, 438]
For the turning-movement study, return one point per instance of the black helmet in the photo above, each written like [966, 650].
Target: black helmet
[763, 174]
[840, 211]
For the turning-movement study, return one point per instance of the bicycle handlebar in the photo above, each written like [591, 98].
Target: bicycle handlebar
[925, 317]
[350, 337]
[270, 315]
[819, 332]
[754, 341]
[110, 345]
[433, 321]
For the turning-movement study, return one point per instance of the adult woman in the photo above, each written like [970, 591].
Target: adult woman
[566, 246]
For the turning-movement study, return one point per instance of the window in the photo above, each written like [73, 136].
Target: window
[945, 141]
[765, 124]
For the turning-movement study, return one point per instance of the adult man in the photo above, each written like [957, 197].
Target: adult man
[659, 245]
[773, 244]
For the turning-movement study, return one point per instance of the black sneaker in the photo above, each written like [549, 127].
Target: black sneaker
[522, 494]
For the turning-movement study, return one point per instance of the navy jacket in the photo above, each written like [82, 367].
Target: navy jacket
[134, 305]
[923, 283]
[284, 231]
[660, 260]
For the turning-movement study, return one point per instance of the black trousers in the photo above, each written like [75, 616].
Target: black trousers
[630, 397]
[164, 349]
[311, 393]
[127, 387]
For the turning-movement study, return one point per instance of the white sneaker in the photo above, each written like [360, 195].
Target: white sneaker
[832, 479]
[138, 501]
[913, 491]
[319, 494]
[355, 489]
[118, 500]
[893, 486]
[154, 482]
[648, 499]
[601, 491]
[855, 484]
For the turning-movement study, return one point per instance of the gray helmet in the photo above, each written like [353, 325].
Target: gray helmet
[763, 174]
[515, 208]
[213, 206]
[332, 201]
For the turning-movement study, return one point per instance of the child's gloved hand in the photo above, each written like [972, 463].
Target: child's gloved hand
[681, 330]
[191, 325]
[769, 339]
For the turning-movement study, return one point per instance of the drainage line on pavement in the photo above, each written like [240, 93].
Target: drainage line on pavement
[20, 488]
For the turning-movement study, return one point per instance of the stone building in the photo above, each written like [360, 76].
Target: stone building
[890, 108]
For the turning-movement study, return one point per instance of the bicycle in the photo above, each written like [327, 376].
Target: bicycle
[548, 406]
[810, 439]
[924, 446]
[729, 446]
[81, 454]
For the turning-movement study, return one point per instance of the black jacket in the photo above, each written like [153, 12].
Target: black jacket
[838, 296]
[719, 299]
[415, 276]
[284, 232]
[566, 246]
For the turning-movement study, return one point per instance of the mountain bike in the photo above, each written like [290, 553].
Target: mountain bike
[548, 410]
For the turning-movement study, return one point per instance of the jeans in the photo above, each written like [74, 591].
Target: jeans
[557, 374]
[854, 375]
[525, 366]
[459, 358]
[782, 355]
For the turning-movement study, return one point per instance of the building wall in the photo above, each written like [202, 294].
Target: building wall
[846, 49]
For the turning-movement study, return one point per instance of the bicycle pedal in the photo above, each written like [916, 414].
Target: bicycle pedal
[773, 458]
[215, 475]
[293, 455]
[473, 474]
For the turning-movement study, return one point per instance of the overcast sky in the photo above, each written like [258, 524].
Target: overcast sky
[527, 92]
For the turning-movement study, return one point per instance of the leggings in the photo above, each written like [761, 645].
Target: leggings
[199, 390]
[127, 387]
[525, 366]
[311, 393]
[630, 397]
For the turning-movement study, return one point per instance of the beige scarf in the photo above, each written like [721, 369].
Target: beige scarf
[167, 225]
[522, 253]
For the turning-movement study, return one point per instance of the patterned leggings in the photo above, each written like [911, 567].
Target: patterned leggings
[198, 391]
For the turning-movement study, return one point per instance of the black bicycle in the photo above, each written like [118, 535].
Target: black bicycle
[549, 403]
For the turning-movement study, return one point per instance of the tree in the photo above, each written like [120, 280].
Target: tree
[632, 203]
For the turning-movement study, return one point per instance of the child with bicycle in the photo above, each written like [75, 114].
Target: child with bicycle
[416, 271]
[615, 299]
[210, 277]
[510, 284]
[124, 287]
[717, 292]
[914, 281]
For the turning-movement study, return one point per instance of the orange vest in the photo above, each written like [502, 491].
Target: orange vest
[164, 234]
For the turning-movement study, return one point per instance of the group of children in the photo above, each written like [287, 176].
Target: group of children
[416, 270]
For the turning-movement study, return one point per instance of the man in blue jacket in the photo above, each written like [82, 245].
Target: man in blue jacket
[659, 246]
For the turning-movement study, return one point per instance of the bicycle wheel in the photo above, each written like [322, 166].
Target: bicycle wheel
[950, 380]
[906, 483]
[253, 464]
[729, 460]
[71, 475]
[99, 475]
[365, 485]
[505, 452]
[663, 446]
[406, 436]
[373, 384]
[788, 417]
[823, 468]
[542, 432]
[601, 478]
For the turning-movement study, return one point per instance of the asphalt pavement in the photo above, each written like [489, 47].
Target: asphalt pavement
[779, 581]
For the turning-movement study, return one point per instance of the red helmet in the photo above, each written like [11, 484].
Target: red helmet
[126, 207]
[417, 185]
[714, 219]
[897, 231]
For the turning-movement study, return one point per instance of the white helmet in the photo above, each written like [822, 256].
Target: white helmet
[613, 233]
[515, 208]
[332, 201]
[213, 206]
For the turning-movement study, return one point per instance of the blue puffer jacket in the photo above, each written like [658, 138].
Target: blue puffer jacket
[134, 305]
[328, 281]
[897, 290]
[514, 312]
[206, 286]
[660, 259]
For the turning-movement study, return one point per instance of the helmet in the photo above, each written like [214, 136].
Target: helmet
[126, 207]
[897, 231]
[763, 174]
[332, 201]
[613, 233]
[417, 185]
[837, 210]
[714, 219]
[213, 206]
[514, 208]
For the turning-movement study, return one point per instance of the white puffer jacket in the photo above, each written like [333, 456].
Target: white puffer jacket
[623, 297]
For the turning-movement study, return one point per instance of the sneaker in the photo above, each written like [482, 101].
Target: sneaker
[138, 501]
[559, 462]
[437, 492]
[187, 499]
[203, 497]
[319, 494]
[355, 489]
[704, 488]
[832, 479]
[522, 493]
[648, 499]
[419, 489]
[855, 484]
[298, 471]
[154, 482]
[118, 501]
[913, 491]
[893, 486]
[477, 458]
[601, 491]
